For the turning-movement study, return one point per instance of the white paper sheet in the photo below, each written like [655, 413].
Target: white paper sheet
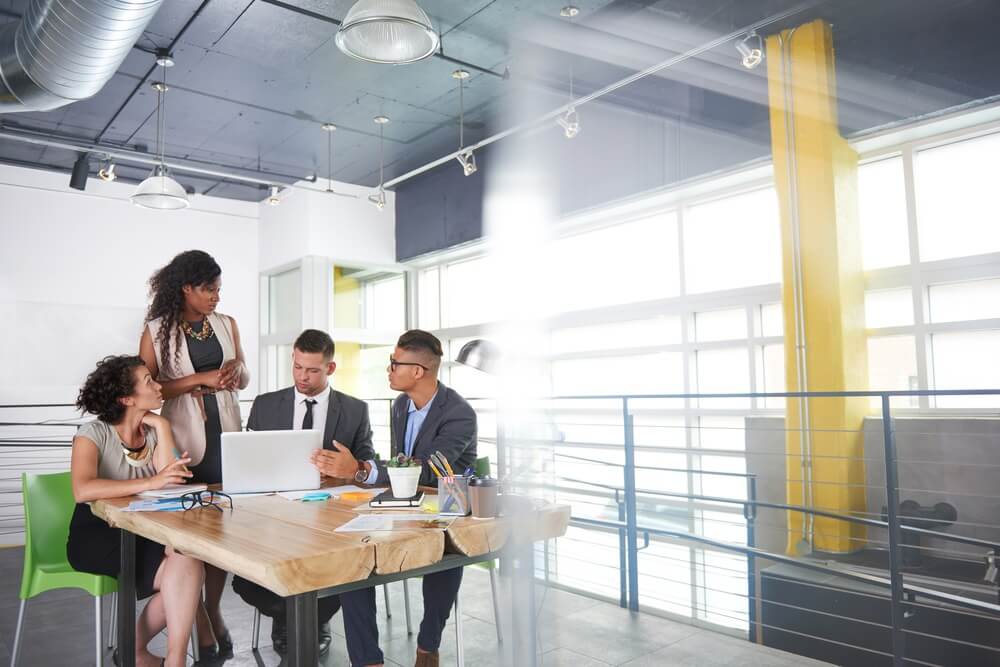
[374, 523]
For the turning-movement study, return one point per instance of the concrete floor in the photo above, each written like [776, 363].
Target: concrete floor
[573, 631]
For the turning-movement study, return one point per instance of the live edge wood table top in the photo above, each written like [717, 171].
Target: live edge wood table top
[290, 547]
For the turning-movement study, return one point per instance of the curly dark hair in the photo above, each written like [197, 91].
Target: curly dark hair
[191, 267]
[112, 380]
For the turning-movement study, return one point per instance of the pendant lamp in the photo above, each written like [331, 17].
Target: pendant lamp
[160, 191]
[391, 32]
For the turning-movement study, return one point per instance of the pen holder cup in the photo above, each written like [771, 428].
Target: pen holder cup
[453, 496]
[484, 497]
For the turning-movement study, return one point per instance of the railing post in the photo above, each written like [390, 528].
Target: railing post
[750, 514]
[895, 551]
[622, 564]
[631, 517]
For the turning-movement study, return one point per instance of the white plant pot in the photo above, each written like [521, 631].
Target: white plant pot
[404, 481]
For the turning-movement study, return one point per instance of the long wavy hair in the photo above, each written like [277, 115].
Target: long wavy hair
[191, 267]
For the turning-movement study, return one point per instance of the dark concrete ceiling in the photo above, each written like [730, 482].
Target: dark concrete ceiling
[255, 78]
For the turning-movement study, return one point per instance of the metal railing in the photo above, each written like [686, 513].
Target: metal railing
[904, 596]
[635, 534]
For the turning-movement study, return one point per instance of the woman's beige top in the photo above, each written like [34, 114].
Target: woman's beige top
[111, 463]
[186, 413]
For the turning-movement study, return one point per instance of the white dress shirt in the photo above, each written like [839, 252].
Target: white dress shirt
[319, 410]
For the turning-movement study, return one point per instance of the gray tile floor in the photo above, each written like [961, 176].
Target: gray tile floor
[573, 631]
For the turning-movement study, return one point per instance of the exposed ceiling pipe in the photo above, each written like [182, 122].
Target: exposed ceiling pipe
[63, 51]
[653, 69]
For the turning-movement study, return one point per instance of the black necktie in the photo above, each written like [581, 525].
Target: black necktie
[307, 421]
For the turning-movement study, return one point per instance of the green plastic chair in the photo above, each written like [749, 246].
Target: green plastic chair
[48, 506]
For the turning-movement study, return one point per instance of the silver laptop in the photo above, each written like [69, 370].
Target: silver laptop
[255, 461]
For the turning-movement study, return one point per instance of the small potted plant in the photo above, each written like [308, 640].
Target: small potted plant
[404, 475]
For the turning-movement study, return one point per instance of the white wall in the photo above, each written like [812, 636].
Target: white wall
[347, 229]
[73, 273]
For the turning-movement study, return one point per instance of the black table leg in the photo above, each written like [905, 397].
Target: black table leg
[126, 601]
[302, 630]
[522, 568]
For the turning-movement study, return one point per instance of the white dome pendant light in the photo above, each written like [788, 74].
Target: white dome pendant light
[392, 32]
[159, 191]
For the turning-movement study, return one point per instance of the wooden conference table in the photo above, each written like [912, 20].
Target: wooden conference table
[290, 548]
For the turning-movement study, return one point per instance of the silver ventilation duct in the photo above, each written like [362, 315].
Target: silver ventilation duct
[62, 51]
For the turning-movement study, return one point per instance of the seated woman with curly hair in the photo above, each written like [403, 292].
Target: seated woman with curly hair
[129, 449]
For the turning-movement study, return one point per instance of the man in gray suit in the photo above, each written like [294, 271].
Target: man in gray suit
[427, 417]
[310, 404]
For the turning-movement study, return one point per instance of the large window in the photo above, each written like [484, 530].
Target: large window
[647, 306]
[958, 203]
[936, 324]
[686, 299]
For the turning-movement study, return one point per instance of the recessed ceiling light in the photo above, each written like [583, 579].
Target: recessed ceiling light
[569, 11]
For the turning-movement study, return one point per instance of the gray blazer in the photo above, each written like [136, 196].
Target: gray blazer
[346, 419]
[450, 427]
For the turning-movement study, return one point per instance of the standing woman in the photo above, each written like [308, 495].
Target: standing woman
[195, 354]
[126, 450]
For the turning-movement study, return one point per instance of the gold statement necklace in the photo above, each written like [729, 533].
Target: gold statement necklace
[205, 333]
[139, 456]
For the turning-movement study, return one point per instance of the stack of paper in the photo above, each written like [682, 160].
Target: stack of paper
[174, 491]
[158, 505]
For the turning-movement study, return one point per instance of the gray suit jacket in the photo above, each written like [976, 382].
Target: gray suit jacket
[346, 419]
[450, 427]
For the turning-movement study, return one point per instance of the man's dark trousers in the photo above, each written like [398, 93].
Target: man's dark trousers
[356, 624]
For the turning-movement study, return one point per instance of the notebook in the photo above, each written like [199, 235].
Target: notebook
[386, 500]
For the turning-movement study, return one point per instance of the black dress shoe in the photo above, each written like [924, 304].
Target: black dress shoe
[208, 656]
[225, 646]
[279, 635]
[325, 638]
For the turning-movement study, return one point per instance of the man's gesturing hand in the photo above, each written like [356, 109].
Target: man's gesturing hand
[338, 462]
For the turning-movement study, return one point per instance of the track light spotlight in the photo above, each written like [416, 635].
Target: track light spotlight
[378, 199]
[751, 48]
[81, 171]
[273, 199]
[570, 123]
[107, 171]
[468, 162]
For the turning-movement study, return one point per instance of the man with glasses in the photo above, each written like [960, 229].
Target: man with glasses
[311, 404]
[427, 417]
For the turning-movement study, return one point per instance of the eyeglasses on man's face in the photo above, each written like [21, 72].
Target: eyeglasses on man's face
[205, 499]
[393, 364]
